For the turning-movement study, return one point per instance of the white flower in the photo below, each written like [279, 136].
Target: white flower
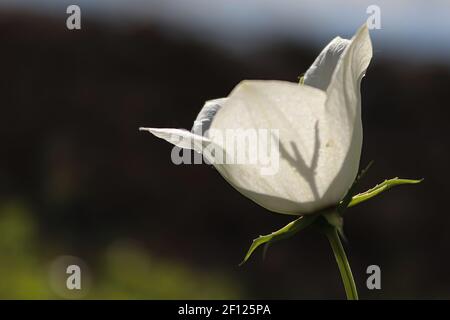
[319, 123]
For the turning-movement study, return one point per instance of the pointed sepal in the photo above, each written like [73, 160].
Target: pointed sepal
[379, 188]
[287, 231]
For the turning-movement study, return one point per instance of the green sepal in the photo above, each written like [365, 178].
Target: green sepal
[287, 231]
[301, 79]
[379, 188]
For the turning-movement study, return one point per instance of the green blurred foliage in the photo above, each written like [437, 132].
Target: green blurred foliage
[123, 271]
[22, 274]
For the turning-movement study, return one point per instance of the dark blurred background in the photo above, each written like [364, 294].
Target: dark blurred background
[78, 179]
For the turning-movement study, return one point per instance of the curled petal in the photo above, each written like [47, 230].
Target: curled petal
[343, 107]
[320, 72]
[204, 118]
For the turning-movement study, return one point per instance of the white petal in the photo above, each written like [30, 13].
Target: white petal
[179, 137]
[298, 113]
[206, 115]
[197, 138]
[320, 72]
[344, 107]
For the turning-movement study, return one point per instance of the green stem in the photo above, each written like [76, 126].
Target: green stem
[342, 262]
